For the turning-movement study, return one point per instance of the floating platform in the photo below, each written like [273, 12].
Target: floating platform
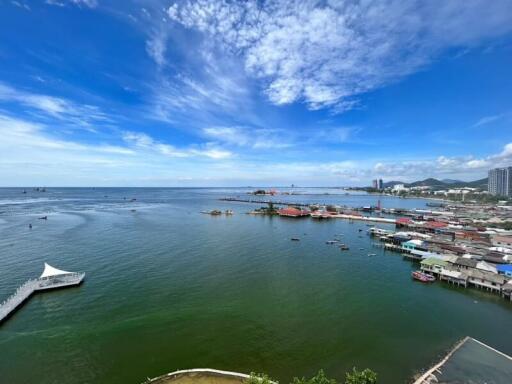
[51, 278]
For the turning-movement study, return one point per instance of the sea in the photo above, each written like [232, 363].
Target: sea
[170, 288]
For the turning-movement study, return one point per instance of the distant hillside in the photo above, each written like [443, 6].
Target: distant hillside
[482, 183]
[451, 181]
[445, 183]
[430, 182]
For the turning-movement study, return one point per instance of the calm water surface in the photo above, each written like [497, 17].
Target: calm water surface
[169, 288]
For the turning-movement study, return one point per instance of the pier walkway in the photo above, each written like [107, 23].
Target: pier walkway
[51, 278]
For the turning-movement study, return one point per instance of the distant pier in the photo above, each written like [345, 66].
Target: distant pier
[329, 216]
[51, 278]
[256, 201]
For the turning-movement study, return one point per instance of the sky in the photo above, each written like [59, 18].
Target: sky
[261, 93]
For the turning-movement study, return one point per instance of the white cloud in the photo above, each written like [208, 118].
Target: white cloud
[79, 3]
[156, 47]
[55, 107]
[327, 52]
[147, 143]
[31, 155]
[256, 138]
[22, 5]
[463, 166]
[202, 94]
[21, 134]
[488, 119]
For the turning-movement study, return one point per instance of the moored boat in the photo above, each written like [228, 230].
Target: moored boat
[423, 277]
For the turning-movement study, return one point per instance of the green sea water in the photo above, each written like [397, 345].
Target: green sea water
[170, 288]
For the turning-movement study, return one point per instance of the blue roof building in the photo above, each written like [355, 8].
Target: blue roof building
[504, 269]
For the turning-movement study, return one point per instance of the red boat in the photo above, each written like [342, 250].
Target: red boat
[423, 277]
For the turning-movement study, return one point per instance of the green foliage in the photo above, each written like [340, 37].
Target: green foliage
[319, 378]
[259, 378]
[366, 376]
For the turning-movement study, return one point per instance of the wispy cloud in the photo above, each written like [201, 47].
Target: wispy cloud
[487, 120]
[21, 4]
[55, 107]
[327, 53]
[205, 93]
[147, 143]
[444, 165]
[22, 134]
[32, 154]
[79, 3]
[255, 138]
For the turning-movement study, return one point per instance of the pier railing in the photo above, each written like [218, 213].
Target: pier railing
[24, 291]
[21, 294]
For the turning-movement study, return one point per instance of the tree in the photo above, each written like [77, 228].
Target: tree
[319, 378]
[361, 377]
[259, 378]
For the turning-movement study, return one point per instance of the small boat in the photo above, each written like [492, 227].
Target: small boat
[295, 239]
[361, 249]
[215, 212]
[372, 254]
[228, 212]
[423, 277]
[344, 247]
[360, 230]
[331, 242]
[43, 218]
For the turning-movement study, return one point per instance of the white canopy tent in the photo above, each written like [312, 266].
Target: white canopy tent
[50, 271]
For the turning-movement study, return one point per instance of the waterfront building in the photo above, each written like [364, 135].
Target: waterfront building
[380, 184]
[411, 245]
[399, 188]
[505, 269]
[293, 212]
[375, 184]
[500, 182]
[502, 241]
[487, 280]
[433, 264]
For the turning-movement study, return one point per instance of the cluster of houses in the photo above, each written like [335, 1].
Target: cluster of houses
[465, 257]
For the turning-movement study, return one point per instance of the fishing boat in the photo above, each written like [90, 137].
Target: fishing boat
[423, 277]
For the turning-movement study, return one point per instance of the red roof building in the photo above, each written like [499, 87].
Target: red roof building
[403, 220]
[292, 212]
[435, 224]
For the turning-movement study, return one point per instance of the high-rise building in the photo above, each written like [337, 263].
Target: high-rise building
[500, 182]
[378, 184]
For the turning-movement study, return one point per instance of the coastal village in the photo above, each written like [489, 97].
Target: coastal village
[468, 244]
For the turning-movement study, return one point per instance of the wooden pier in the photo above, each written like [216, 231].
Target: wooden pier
[51, 278]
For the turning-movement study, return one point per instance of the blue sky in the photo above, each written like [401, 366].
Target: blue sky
[213, 93]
